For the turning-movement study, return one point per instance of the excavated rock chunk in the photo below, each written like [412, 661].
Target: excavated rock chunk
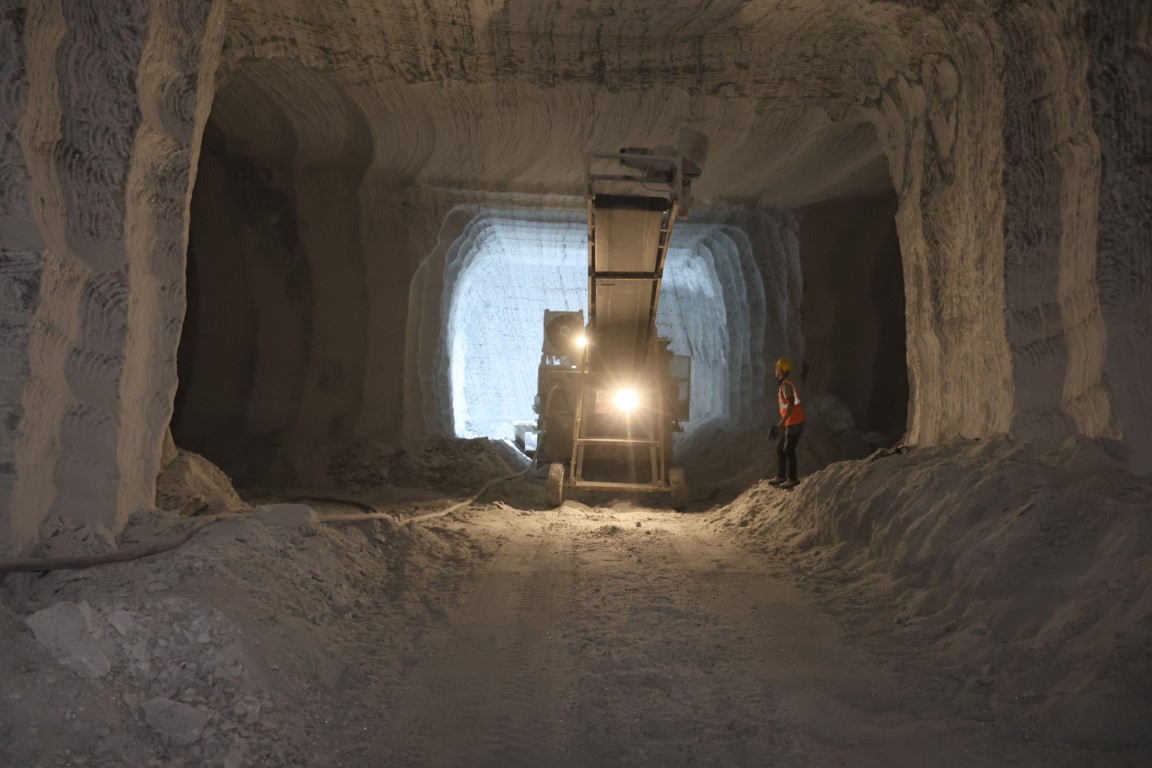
[298, 516]
[68, 631]
[176, 721]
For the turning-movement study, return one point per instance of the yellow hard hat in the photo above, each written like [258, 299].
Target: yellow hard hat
[784, 364]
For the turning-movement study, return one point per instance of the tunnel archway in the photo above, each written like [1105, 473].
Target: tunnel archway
[854, 311]
[244, 347]
[284, 305]
[729, 295]
[519, 265]
[285, 348]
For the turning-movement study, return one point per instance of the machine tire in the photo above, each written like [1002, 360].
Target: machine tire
[679, 489]
[554, 488]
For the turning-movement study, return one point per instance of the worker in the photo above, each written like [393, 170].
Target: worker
[791, 426]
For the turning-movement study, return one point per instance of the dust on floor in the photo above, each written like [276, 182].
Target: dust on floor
[506, 634]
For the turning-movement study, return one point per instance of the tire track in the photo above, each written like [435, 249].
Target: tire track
[658, 684]
[500, 695]
[597, 637]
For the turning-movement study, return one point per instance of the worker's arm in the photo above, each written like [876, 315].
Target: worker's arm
[790, 397]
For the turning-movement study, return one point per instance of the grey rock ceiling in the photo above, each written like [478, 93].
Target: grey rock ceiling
[487, 96]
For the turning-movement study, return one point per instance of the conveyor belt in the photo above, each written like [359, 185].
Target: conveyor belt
[627, 247]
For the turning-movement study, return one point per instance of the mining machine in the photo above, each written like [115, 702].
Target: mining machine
[611, 395]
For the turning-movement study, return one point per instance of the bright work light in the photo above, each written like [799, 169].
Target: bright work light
[580, 341]
[626, 400]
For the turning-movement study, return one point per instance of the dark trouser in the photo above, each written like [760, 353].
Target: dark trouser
[786, 443]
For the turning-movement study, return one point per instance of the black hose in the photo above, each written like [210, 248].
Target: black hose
[38, 564]
[35, 564]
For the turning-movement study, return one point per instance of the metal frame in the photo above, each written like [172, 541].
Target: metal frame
[675, 188]
[656, 276]
[677, 185]
[657, 460]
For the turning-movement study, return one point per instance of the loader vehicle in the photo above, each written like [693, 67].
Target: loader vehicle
[610, 394]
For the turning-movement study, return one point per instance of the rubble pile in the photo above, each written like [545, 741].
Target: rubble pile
[1023, 575]
[234, 650]
[451, 465]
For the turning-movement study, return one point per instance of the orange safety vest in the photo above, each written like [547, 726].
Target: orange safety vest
[797, 416]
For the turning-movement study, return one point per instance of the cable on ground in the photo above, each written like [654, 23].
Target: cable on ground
[39, 564]
[36, 564]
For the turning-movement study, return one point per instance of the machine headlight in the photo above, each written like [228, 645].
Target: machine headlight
[626, 400]
[580, 341]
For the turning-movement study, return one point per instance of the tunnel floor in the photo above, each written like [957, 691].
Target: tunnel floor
[633, 636]
[501, 634]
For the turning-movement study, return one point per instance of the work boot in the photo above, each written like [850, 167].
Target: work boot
[790, 484]
[778, 481]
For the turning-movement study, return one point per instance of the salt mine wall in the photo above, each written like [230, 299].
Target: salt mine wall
[1119, 80]
[853, 310]
[103, 115]
[1015, 136]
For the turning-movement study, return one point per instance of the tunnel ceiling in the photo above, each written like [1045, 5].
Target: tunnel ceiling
[471, 96]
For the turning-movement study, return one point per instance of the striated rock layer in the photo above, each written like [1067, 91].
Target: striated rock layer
[103, 114]
[346, 136]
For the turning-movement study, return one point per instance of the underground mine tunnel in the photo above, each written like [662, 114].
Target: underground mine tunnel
[742, 286]
[272, 285]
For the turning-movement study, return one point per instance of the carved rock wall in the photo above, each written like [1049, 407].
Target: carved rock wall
[103, 114]
[1119, 87]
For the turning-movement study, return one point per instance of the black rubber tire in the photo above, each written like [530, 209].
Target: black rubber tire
[679, 489]
[554, 488]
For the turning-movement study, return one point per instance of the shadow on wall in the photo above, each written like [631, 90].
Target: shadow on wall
[853, 310]
[248, 317]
